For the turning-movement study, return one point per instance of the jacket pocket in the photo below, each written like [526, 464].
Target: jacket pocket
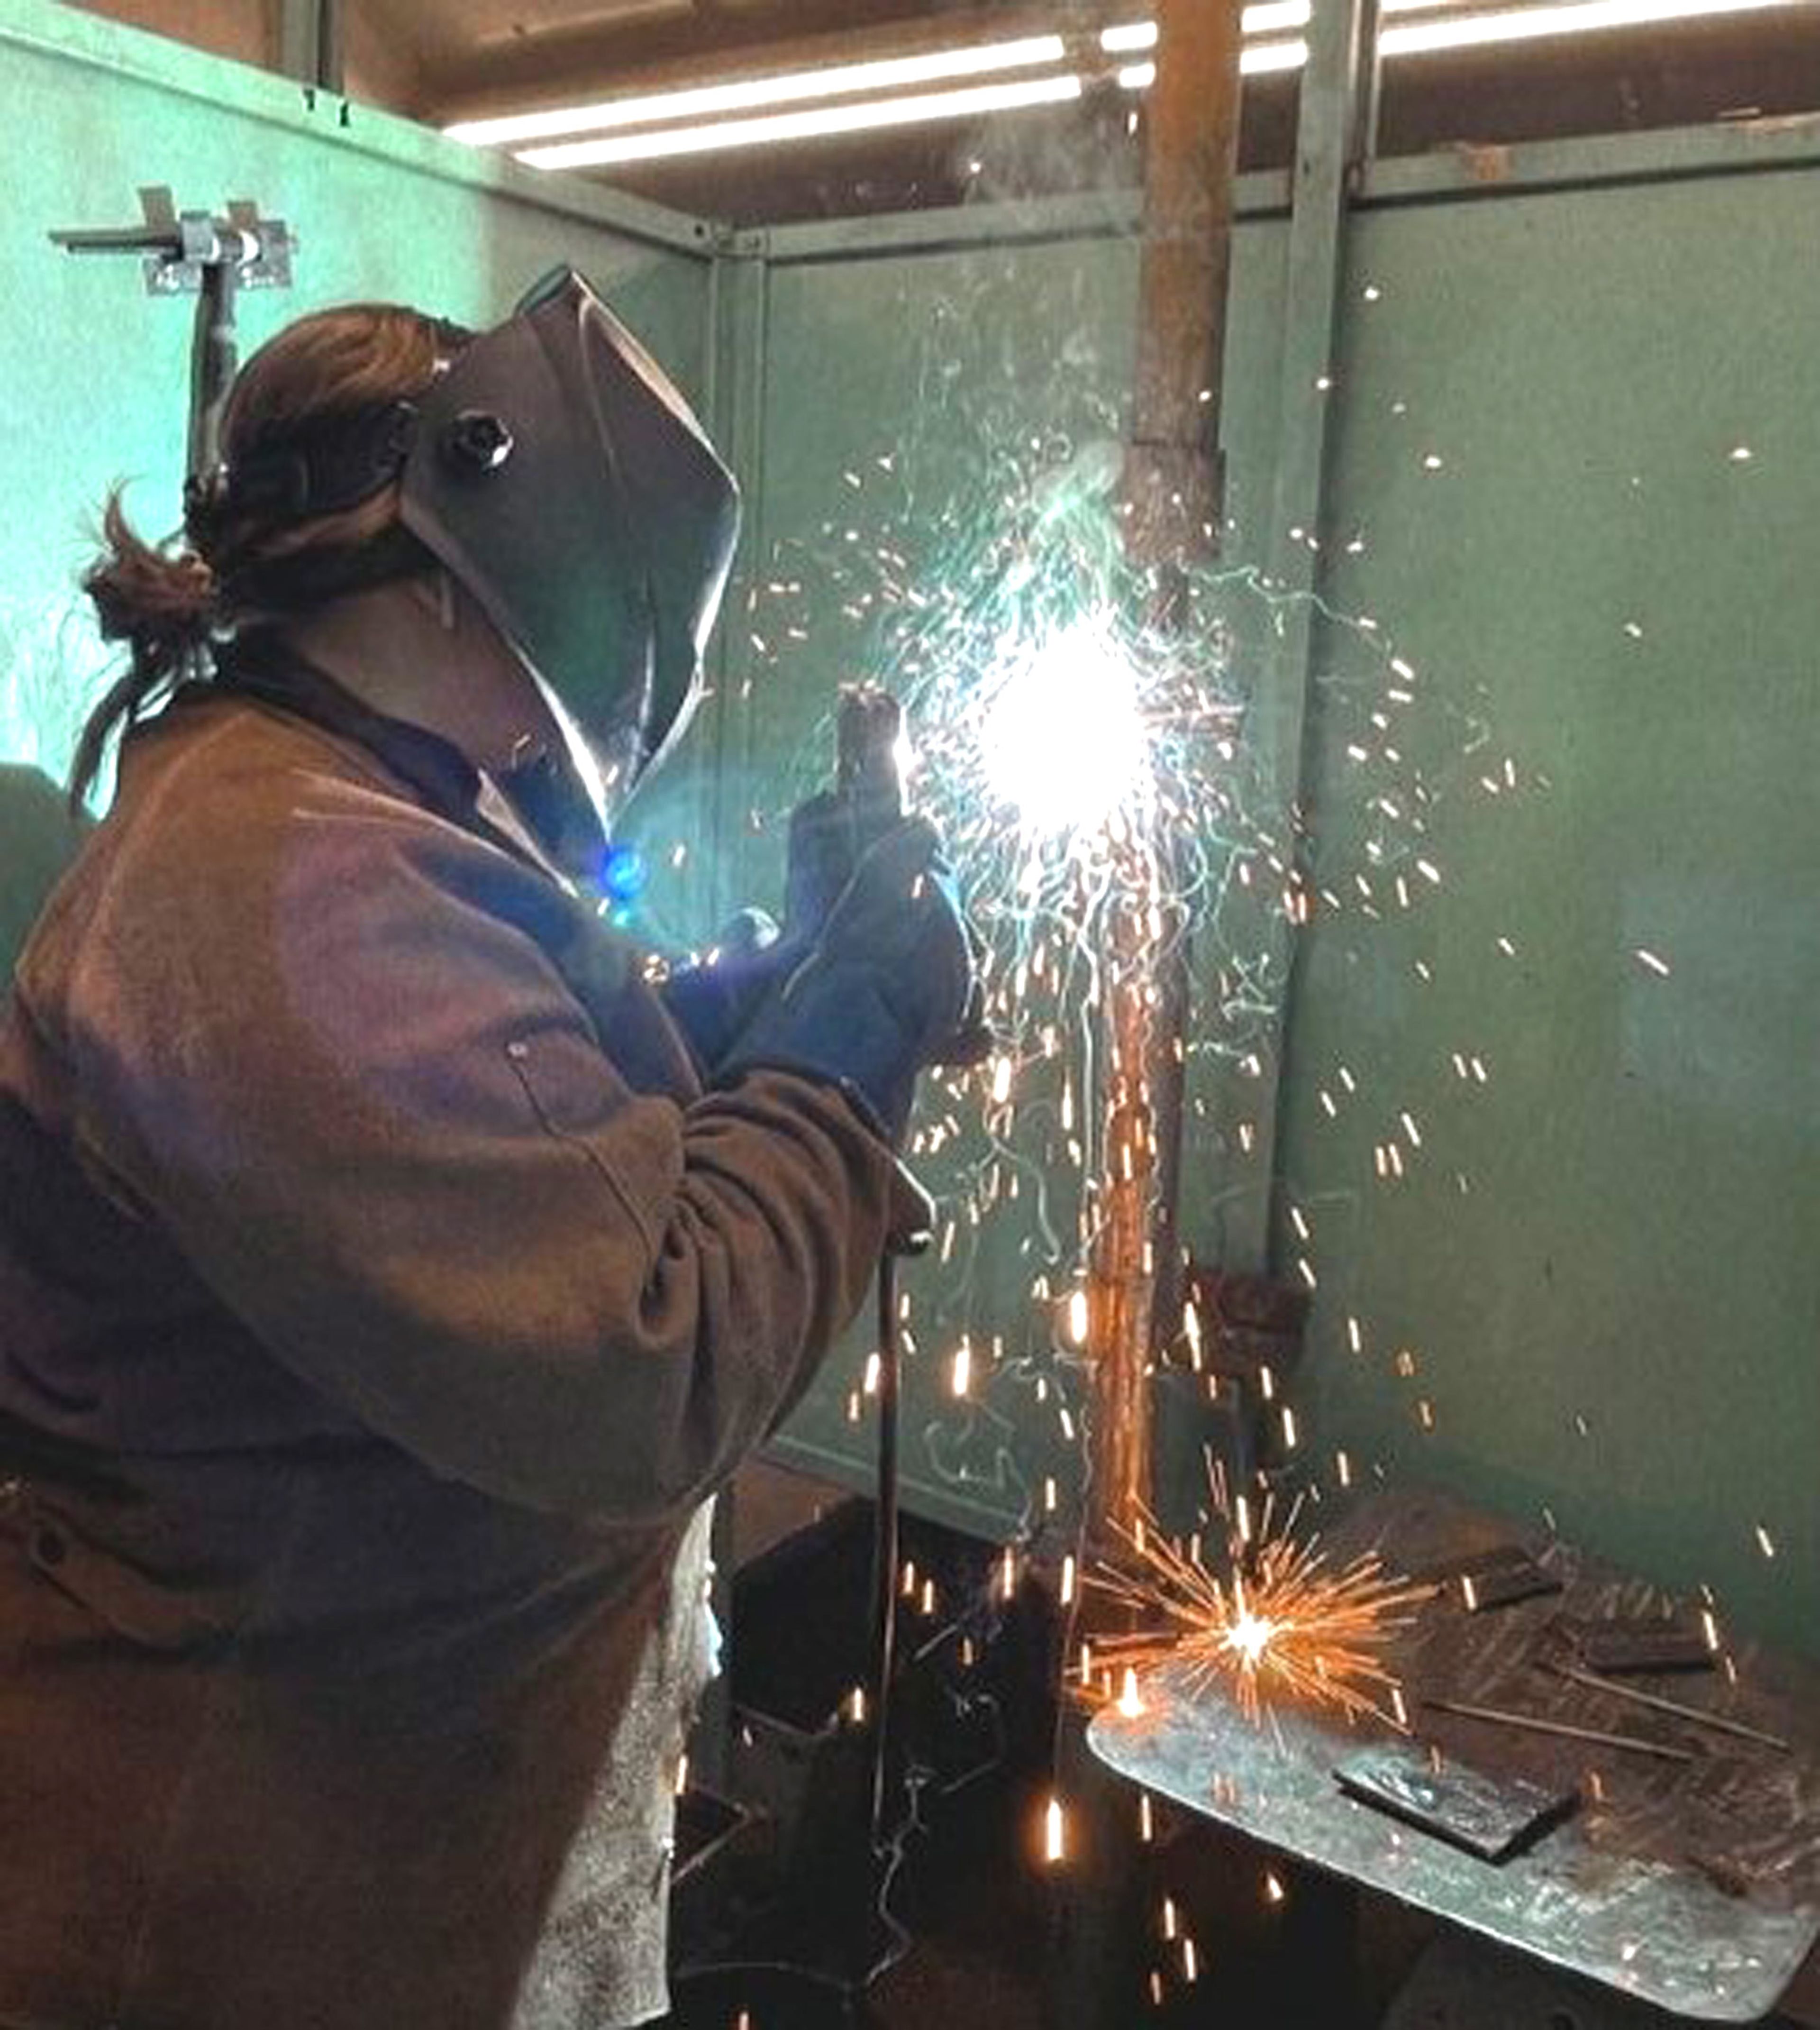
[146, 1612]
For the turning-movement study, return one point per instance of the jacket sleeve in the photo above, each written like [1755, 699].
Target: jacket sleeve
[355, 1089]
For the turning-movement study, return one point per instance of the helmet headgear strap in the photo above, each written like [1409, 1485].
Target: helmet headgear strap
[330, 466]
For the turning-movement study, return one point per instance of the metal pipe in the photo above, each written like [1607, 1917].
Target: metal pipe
[1172, 472]
[1172, 504]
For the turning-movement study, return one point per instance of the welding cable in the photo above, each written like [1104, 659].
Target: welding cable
[884, 1552]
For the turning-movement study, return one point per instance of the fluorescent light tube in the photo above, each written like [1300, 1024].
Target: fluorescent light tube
[1256, 57]
[1442, 27]
[1467, 31]
[805, 123]
[1270, 17]
[1273, 56]
[748, 94]
[1265, 17]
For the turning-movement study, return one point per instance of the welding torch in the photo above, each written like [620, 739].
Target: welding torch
[869, 755]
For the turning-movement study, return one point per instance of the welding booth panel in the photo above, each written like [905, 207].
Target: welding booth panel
[1579, 441]
[96, 372]
[916, 399]
[1574, 486]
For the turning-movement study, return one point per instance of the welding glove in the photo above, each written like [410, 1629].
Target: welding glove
[712, 1002]
[827, 838]
[824, 849]
[884, 988]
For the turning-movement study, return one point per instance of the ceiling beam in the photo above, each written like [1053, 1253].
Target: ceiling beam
[473, 85]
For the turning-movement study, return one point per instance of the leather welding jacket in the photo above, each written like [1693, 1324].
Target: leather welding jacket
[381, 1295]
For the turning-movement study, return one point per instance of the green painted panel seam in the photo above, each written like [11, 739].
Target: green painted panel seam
[1589, 161]
[1035, 221]
[740, 314]
[1326, 130]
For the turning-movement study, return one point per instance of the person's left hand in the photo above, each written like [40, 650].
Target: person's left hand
[712, 1002]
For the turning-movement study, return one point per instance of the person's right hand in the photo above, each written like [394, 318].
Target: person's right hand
[888, 984]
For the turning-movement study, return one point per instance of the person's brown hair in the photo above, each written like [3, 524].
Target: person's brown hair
[169, 601]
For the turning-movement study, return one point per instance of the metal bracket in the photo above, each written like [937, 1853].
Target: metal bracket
[259, 251]
[194, 254]
[738, 242]
[177, 247]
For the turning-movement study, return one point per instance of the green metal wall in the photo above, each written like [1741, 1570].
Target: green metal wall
[96, 372]
[911, 401]
[1588, 1297]
[1599, 1265]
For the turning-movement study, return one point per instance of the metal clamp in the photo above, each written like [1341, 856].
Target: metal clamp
[178, 247]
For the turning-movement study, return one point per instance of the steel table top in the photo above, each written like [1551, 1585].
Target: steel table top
[1694, 1886]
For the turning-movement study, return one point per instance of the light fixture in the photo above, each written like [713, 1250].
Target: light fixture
[1265, 17]
[807, 123]
[1516, 24]
[1274, 15]
[1255, 59]
[749, 94]
[793, 107]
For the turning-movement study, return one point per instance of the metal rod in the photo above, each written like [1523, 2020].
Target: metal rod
[885, 1555]
[1657, 1703]
[212, 357]
[1314, 268]
[309, 42]
[1536, 1725]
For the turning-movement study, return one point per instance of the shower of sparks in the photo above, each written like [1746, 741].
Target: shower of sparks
[1083, 741]
[1286, 1627]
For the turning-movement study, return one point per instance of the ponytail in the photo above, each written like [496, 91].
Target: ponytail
[163, 604]
[247, 563]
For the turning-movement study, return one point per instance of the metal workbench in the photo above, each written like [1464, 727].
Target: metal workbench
[1693, 1886]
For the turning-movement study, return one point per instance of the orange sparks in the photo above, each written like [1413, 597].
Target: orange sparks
[1077, 1317]
[1286, 1625]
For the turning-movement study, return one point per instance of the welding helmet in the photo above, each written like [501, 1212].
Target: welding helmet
[553, 469]
[556, 471]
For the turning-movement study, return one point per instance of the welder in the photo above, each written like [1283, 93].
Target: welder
[390, 1265]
